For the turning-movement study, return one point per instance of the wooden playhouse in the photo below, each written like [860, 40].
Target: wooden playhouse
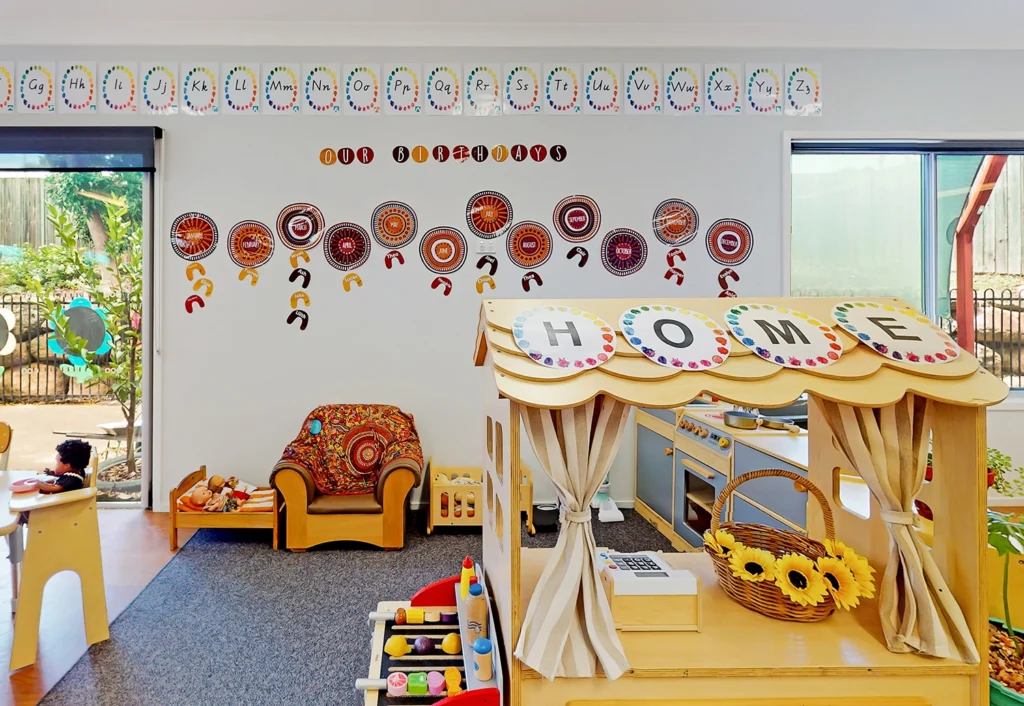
[922, 640]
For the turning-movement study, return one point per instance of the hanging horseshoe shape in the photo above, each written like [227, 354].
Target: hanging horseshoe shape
[677, 273]
[194, 267]
[726, 293]
[486, 279]
[203, 282]
[490, 260]
[248, 272]
[531, 277]
[673, 254]
[300, 296]
[583, 254]
[393, 255]
[301, 316]
[296, 256]
[191, 302]
[351, 278]
[442, 281]
[304, 274]
[725, 275]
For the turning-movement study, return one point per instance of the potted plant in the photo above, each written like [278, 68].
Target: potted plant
[1006, 648]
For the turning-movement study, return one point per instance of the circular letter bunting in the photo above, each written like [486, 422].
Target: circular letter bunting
[300, 226]
[730, 242]
[528, 245]
[489, 214]
[443, 250]
[193, 236]
[676, 338]
[785, 337]
[905, 335]
[623, 252]
[675, 222]
[563, 337]
[346, 246]
[577, 218]
[394, 224]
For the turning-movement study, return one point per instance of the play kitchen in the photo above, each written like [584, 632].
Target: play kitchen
[686, 456]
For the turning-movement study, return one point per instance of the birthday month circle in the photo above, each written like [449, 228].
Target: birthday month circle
[489, 214]
[730, 242]
[676, 338]
[300, 226]
[898, 333]
[394, 224]
[250, 244]
[564, 337]
[193, 236]
[783, 336]
[675, 222]
[443, 250]
[577, 218]
[623, 252]
[528, 245]
[346, 246]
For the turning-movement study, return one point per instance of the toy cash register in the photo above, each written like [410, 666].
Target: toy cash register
[632, 579]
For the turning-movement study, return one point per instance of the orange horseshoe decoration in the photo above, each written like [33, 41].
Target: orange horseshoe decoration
[248, 272]
[486, 279]
[296, 255]
[194, 267]
[349, 279]
[300, 296]
[203, 282]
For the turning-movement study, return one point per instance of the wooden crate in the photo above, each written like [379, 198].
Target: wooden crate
[461, 504]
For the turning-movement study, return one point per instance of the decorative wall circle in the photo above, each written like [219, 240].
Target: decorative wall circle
[675, 222]
[730, 242]
[623, 252]
[528, 244]
[443, 250]
[346, 246]
[564, 337]
[676, 338]
[785, 337]
[489, 214]
[394, 224]
[250, 244]
[85, 321]
[193, 236]
[300, 226]
[577, 218]
[901, 334]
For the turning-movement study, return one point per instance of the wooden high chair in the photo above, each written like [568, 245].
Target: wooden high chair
[64, 535]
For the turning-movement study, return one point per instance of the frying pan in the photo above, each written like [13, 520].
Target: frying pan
[749, 420]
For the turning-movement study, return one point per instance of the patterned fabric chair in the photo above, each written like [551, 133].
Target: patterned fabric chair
[347, 476]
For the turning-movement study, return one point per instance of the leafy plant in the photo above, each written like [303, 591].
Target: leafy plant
[59, 265]
[1004, 484]
[82, 195]
[120, 297]
[1006, 535]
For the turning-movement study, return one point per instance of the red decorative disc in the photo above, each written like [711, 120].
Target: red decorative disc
[300, 226]
[577, 218]
[730, 242]
[489, 214]
[250, 244]
[443, 250]
[346, 246]
[394, 224]
[623, 252]
[193, 236]
[529, 244]
[675, 222]
[364, 448]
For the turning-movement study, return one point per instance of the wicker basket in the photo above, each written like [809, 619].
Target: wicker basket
[765, 597]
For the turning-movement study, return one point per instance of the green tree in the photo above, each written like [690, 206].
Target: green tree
[120, 296]
[84, 196]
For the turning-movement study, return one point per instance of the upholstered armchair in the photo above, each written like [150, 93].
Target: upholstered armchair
[347, 476]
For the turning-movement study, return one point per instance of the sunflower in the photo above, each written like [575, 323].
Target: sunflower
[796, 576]
[752, 564]
[835, 548]
[862, 572]
[721, 542]
[839, 581]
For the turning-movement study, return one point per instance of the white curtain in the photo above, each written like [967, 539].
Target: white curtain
[568, 626]
[888, 447]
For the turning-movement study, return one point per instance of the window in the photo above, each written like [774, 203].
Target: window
[894, 219]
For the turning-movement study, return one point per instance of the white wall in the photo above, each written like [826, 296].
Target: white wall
[236, 381]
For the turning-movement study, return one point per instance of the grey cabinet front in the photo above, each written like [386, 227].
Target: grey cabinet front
[654, 471]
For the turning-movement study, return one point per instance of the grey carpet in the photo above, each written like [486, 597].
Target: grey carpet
[229, 621]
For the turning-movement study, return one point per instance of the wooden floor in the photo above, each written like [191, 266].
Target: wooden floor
[134, 546]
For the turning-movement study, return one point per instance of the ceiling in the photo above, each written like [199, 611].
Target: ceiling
[959, 24]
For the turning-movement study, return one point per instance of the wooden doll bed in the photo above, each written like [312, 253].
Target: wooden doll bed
[223, 520]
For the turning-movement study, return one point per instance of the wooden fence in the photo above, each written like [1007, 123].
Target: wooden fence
[23, 212]
[999, 237]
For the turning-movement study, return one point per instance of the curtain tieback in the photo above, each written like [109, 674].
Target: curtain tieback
[897, 517]
[578, 517]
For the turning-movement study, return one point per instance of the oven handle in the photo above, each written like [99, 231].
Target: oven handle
[690, 466]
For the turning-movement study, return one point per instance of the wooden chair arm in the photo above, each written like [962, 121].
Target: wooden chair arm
[39, 501]
[292, 486]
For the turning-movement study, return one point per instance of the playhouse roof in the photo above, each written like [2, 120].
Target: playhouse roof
[860, 377]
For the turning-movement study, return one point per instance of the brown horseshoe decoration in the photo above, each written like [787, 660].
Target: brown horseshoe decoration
[442, 281]
[393, 255]
[581, 252]
[673, 254]
[677, 274]
[531, 277]
[490, 260]
[725, 275]
[300, 272]
[191, 302]
[726, 293]
[300, 316]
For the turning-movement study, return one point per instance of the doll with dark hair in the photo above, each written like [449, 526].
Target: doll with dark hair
[72, 459]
